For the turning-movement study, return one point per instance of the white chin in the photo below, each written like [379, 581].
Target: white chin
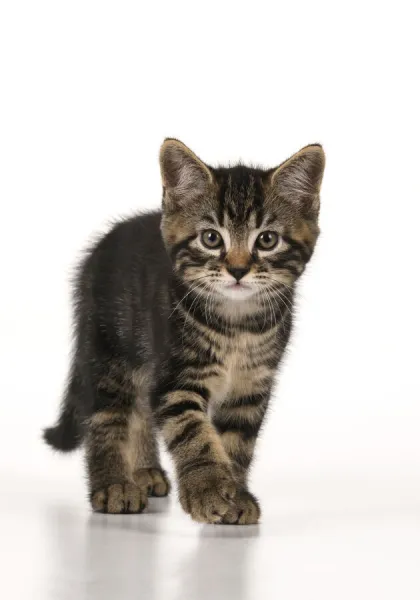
[237, 293]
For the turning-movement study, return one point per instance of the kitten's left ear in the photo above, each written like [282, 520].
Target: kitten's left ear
[299, 178]
[184, 176]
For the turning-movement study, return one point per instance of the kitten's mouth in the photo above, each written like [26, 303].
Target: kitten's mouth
[237, 290]
[238, 286]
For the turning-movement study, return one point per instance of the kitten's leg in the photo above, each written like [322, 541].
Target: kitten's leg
[238, 423]
[112, 445]
[207, 487]
[147, 470]
[109, 448]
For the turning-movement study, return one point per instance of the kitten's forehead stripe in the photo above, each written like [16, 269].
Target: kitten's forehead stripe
[210, 218]
[240, 194]
[221, 201]
[270, 220]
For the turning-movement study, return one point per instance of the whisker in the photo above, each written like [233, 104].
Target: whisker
[284, 300]
[188, 293]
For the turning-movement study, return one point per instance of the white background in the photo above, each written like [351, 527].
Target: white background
[88, 92]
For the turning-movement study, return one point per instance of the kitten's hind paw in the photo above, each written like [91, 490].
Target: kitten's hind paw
[119, 498]
[154, 480]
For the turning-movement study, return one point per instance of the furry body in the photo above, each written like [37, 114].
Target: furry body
[180, 331]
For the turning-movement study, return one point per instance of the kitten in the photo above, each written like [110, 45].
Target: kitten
[181, 319]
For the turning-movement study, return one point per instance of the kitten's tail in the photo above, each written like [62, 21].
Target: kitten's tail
[68, 433]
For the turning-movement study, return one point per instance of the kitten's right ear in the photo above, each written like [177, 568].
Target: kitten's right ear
[184, 175]
[299, 179]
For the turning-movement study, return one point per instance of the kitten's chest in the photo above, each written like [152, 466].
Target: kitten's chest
[246, 368]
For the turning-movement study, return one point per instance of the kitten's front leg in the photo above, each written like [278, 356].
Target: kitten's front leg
[238, 421]
[207, 486]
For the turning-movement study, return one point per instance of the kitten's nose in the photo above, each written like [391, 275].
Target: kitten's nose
[238, 272]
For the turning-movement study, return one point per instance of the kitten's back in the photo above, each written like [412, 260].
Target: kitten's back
[120, 303]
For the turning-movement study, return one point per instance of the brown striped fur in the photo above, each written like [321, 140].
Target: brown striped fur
[178, 337]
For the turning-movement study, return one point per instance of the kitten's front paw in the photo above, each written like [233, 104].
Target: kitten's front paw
[208, 493]
[247, 510]
[119, 498]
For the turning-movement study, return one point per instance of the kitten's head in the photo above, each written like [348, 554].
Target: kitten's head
[239, 234]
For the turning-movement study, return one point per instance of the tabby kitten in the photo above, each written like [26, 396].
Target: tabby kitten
[181, 319]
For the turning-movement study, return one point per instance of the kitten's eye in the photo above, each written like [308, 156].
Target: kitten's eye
[212, 239]
[267, 240]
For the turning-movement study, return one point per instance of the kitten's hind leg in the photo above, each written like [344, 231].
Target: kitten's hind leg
[110, 447]
[155, 480]
[147, 472]
[122, 452]
[147, 469]
[112, 442]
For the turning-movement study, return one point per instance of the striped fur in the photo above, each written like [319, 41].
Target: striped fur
[178, 337]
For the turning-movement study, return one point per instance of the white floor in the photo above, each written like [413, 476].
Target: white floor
[341, 534]
[337, 473]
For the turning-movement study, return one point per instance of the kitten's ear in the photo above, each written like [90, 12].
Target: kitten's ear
[184, 175]
[299, 178]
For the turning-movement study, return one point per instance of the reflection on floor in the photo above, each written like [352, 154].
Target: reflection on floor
[331, 536]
